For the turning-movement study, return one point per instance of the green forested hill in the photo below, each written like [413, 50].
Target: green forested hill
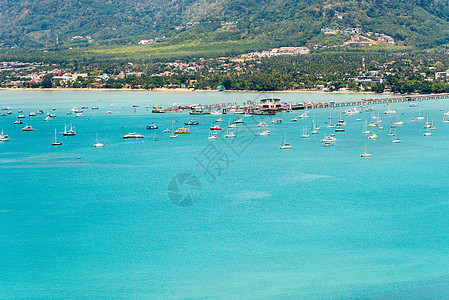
[265, 23]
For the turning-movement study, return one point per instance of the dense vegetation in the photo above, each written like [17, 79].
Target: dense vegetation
[261, 23]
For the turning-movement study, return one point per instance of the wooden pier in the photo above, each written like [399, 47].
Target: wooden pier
[371, 101]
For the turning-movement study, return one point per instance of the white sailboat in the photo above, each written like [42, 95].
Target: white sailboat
[284, 144]
[366, 154]
[330, 122]
[98, 144]
[365, 128]
[304, 134]
[55, 141]
[173, 135]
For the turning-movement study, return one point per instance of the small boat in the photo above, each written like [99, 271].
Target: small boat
[4, 137]
[212, 136]
[427, 133]
[233, 125]
[191, 122]
[18, 122]
[155, 137]
[6, 108]
[166, 130]
[133, 135]
[68, 132]
[365, 129]
[52, 115]
[329, 139]
[412, 104]
[94, 107]
[32, 114]
[327, 144]
[230, 134]
[84, 107]
[264, 132]
[396, 140]
[20, 111]
[135, 105]
[47, 118]
[28, 128]
[366, 154]
[98, 144]
[294, 120]
[239, 121]
[304, 134]
[284, 144]
[373, 136]
[277, 121]
[9, 112]
[53, 109]
[3, 114]
[217, 112]
[55, 141]
[182, 130]
[79, 115]
[109, 112]
[262, 124]
[303, 115]
[152, 126]
[389, 111]
[215, 127]
[40, 111]
[219, 120]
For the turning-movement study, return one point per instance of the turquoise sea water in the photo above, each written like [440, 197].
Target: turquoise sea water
[310, 222]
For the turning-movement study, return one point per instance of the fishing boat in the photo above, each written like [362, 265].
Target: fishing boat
[182, 130]
[68, 132]
[192, 122]
[4, 137]
[366, 154]
[284, 144]
[55, 142]
[152, 126]
[28, 128]
[133, 135]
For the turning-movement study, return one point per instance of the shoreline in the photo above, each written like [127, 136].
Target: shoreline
[182, 90]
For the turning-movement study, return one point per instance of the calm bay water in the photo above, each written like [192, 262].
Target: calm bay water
[310, 222]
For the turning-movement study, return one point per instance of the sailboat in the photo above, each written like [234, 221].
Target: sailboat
[304, 133]
[427, 124]
[445, 120]
[68, 132]
[229, 134]
[419, 117]
[315, 130]
[398, 122]
[173, 135]
[330, 122]
[284, 144]
[365, 129]
[366, 154]
[212, 135]
[4, 137]
[390, 133]
[98, 144]
[441, 108]
[54, 141]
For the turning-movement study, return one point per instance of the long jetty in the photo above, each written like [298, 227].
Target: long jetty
[375, 101]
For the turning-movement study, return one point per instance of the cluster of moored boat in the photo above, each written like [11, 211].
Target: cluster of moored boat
[374, 122]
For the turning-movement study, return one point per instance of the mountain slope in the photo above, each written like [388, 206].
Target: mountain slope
[422, 23]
